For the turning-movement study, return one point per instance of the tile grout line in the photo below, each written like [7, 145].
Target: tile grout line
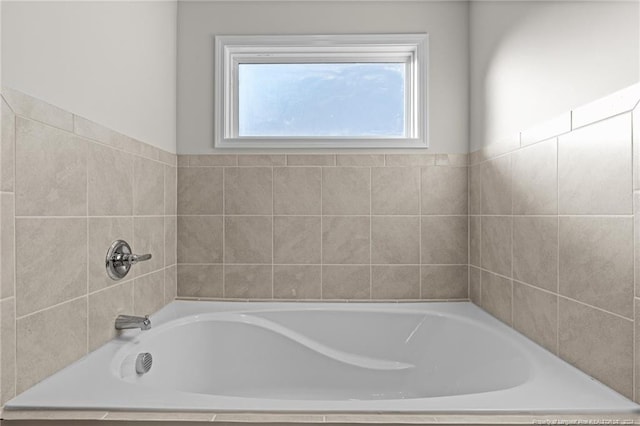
[273, 211]
[557, 143]
[468, 194]
[86, 241]
[370, 231]
[559, 295]
[511, 238]
[481, 212]
[15, 267]
[633, 231]
[420, 233]
[224, 232]
[322, 226]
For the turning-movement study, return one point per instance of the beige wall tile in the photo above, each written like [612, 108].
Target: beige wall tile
[170, 190]
[60, 330]
[7, 245]
[395, 239]
[535, 314]
[346, 282]
[142, 149]
[346, 190]
[598, 343]
[444, 190]
[636, 342]
[548, 129]
[311, 160]
[445, 239]
[110, 183]
[262, 160]
[476, 157]
[248, 281]
[170, 284]
[148, 293]
[496, 186]
[395, 282]
[7, 350]
[535, 251]
[395, 160]
[596, 262]
[594, 168]
[224, 160]
[345, 239]
[635, 118]
[636, 240]
[38, 243]
[273, 418]
[297, 190]
[103, 231]
[475, 290]
[170, 240]
[248, 190]
[452, 160]
[200, 239]
[247, 239]
[148, 237]
[378, 418]
[97, 132]
[200, 281]
[363, 160]
[496, 296]
[148, 187]
[36, 109]
[475, 189]
[607, 106]
[395, 190]
[296, 239]
[200, 190]
[535, 179]
[148, 418]
[38, 417]
[501, 146]
[104, 307]
[445, 282]
[475, 240]
[496, 244]
[7, 147]
[51, 171]
[297, 281]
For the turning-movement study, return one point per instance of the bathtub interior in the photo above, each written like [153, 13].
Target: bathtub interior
[321, 354]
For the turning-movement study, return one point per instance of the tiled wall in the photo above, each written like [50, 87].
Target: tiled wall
[70, 187]
[544, 219]
[551, 235]
[322, 227]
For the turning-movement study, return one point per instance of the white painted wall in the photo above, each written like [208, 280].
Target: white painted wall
[533, 60]
[445, 21]
[111, 62]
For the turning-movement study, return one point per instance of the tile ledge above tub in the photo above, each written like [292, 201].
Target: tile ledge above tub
[99, 417]
[41, 111]
[617, 103]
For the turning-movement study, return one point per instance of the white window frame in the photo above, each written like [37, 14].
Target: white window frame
[230, 51]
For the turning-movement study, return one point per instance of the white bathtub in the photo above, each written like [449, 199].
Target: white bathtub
[414, 357]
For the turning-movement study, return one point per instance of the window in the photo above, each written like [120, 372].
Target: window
[345, 91]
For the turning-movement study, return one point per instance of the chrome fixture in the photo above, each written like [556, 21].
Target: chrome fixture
[125, 322]
[120, 259]
[143, 363]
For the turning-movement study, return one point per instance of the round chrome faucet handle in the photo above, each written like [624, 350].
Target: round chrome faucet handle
[120, 259]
